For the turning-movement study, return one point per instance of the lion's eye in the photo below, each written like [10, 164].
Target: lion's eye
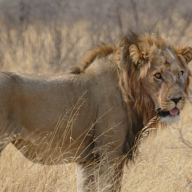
[182, 72]
[158, 76]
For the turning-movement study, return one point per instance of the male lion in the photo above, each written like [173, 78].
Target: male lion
[93, 116]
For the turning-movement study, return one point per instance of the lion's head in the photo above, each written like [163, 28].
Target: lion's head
[154, 75]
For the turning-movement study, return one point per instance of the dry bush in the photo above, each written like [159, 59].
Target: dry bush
[48, 36]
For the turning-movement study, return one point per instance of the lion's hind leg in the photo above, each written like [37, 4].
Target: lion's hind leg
[2, 147]
[4, 141]
[9, 132]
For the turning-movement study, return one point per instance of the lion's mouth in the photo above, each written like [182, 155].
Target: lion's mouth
[172, 112]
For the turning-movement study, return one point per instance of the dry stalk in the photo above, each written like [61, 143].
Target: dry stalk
[142, 135]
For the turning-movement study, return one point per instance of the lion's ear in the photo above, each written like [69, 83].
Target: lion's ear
[140, 57]
[185, 52]
[135, 54]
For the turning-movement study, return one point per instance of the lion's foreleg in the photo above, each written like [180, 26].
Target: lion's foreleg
[99, 176]
[108, 174]
[85, 177]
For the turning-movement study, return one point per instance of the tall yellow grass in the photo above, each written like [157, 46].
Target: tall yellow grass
[164, 163]
[165, 160]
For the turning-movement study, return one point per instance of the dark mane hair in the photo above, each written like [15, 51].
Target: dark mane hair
[132, 57]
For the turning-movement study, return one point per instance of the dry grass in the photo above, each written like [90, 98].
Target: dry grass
[163, 165]
[45, 37]
[165, 161]
[18, 174]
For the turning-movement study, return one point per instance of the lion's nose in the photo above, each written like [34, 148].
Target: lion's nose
[176, 100]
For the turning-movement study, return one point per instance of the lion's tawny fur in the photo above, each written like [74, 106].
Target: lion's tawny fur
[101, 51]
[92, 117]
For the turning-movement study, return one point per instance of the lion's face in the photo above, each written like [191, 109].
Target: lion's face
[162, 76]
[166, 83]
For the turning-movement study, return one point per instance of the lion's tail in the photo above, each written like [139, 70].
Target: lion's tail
[101, 51]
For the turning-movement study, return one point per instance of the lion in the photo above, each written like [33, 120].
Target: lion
[93, 116]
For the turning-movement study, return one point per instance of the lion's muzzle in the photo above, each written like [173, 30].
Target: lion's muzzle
[172, 112]
[176, 100]
[163, 113]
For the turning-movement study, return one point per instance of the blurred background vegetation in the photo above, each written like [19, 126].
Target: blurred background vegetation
[50, 35]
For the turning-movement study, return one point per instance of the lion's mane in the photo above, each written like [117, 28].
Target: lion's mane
[132, 56]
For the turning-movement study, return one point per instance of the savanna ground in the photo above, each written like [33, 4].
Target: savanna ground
[48, 36]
